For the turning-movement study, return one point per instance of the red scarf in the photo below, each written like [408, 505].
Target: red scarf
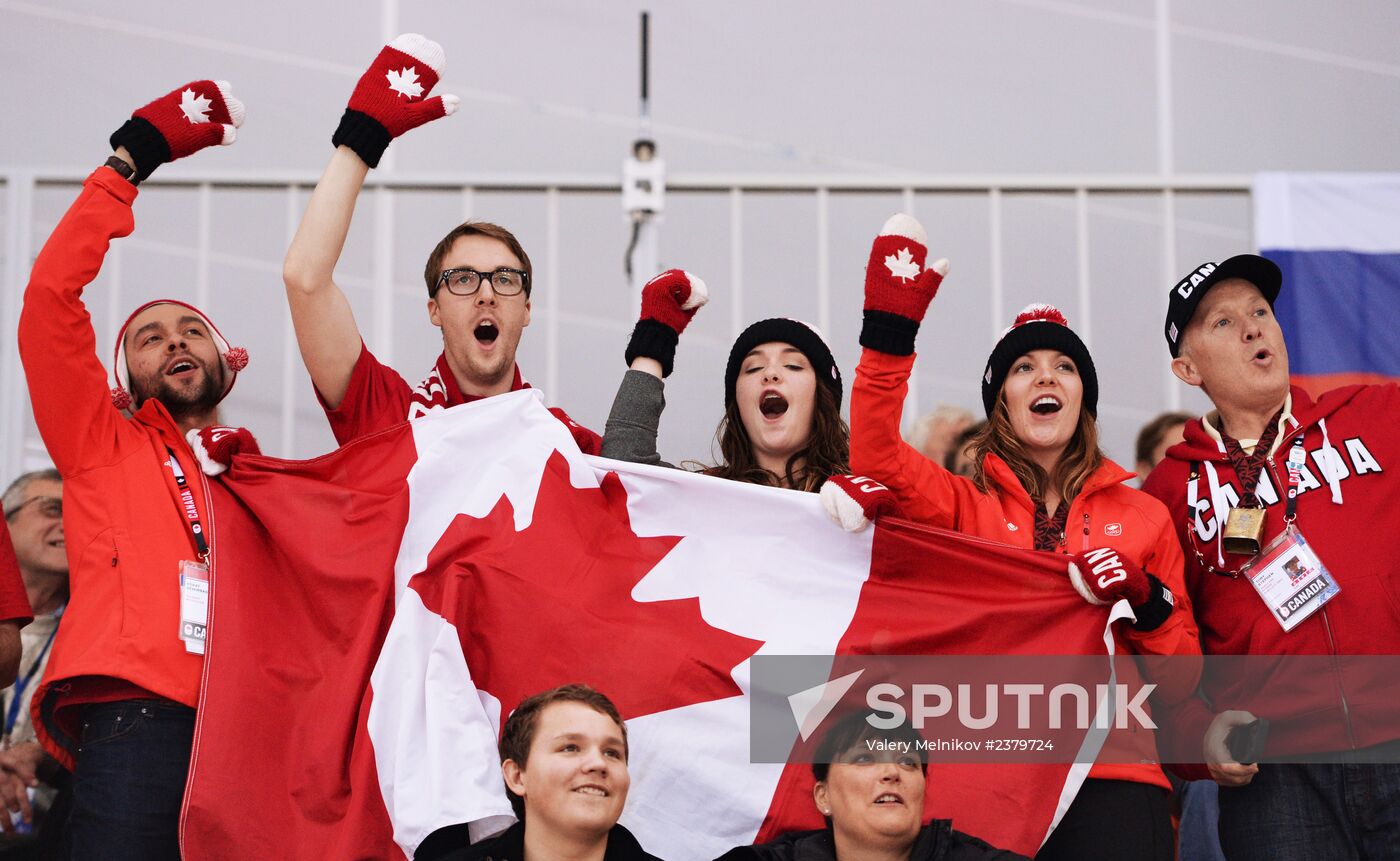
[439, 390]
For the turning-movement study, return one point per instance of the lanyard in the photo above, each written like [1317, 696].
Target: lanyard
[12, 713]
[1295, 468]
[187, 505]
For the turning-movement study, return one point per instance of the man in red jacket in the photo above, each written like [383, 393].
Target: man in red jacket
[117, 702]
[1281, 503]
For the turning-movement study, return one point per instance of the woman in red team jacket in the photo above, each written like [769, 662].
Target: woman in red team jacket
[1041, 482]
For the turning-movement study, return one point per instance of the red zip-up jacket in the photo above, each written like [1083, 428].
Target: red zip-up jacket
[1106, 513]
[125, 532]
[1350, 437]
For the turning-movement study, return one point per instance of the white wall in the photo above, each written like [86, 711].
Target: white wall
[955, 88]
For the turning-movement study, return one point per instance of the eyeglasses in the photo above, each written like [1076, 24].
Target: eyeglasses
[466, 281]
[48, 506]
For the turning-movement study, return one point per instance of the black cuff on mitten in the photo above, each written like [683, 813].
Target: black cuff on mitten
[146, 144]
[888, 333]
[363, 134]
[1155, 610]
[654, 340]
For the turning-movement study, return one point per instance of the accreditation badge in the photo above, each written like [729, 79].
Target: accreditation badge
[1290, 579]
[194, 605]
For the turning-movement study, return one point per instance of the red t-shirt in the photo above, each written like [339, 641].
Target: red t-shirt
[378, 398]
[14, 601]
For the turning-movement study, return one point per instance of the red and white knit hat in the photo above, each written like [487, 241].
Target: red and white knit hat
[1039, 327]
[233, 359]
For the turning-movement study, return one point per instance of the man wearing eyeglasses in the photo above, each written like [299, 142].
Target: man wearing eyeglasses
[33, 505]
[1285, 506]
[478, 277]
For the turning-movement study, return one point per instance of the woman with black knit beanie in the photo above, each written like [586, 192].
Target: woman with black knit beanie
[782, 394]
[1040, 482]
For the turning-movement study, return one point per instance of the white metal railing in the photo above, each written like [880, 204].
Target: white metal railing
[19, 244]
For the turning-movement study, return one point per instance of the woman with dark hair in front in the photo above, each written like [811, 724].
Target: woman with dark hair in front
[564, 762]
[782, 407]
[1040, 482]
[873, 803]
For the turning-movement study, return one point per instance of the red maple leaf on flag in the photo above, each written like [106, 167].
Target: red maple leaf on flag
[552, 604]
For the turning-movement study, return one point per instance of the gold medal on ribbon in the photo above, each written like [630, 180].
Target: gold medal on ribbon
[1244, 528]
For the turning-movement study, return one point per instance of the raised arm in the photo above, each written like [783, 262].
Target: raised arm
[669, 303]
[67, 382]
[898, 290]
[388, 101]
[325, 326]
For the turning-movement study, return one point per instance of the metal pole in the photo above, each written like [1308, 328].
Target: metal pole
[14, 396]
[823, 263]
[646, 68]
[736, 261]
[1081, 230]
[1165, 129]
[288, 416]
[999, 320]
[911, 398]
[551, 295]
[382, 280]
[1169, 261]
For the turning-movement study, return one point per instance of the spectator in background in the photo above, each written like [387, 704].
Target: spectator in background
[33, 505]
[1155, 438]
[937, 434]
[961, 458]
[116, 704]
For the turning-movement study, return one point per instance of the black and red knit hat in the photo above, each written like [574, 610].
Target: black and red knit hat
[803, 336]
[233, 359]
[1039, 327]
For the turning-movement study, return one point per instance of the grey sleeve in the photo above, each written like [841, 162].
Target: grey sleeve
[630, 433]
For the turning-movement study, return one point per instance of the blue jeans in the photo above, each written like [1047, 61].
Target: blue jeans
[1313, 812]
[1200, 822]
[130, 781]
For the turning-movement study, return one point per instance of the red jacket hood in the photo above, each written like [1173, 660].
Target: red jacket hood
[1199, 445]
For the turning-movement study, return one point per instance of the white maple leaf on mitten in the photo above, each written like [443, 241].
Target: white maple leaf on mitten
[195, 107]
[901, 265]
[405, 82]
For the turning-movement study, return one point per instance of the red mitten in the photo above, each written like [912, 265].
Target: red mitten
[215, 446]
[1101, 576]
[669, 303]
[854, 500]
[184, 120]
[898, 289]
[389, 99]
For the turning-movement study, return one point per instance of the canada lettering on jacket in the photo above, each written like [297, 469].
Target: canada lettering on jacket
[1214, 499]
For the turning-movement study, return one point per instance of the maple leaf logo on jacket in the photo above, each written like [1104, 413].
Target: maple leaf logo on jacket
[405, 82]
[195, 107]
[901, 265]
[568, 578]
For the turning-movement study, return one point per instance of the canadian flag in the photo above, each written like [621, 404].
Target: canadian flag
[378, 611]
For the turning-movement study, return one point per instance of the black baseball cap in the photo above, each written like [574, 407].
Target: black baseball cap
[1186, 295]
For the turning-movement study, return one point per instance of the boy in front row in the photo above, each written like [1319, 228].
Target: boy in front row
[564, 760]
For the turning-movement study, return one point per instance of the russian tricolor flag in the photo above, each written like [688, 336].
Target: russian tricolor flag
[1337, 239]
